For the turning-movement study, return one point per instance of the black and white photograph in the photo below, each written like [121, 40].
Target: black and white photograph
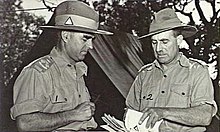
[110, 65]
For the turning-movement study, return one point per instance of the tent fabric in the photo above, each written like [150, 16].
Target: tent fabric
[118, 57]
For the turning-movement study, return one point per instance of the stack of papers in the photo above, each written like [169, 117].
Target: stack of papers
[113, 124]
[130, 123]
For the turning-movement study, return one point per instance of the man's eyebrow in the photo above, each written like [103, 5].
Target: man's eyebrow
[164, 39]
[88, 36]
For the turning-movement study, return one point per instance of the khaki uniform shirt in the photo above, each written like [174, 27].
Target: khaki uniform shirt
[185, 84]
[49, 85]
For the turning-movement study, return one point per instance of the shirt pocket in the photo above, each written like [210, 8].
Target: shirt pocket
[57, 102]
[179, 96]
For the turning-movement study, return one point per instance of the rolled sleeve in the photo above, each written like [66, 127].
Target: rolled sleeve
[203, 91]
[26, 107]
[28, 93]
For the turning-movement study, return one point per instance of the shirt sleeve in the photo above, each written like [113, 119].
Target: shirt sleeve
[133, 97]
[28, 93]
[202, 88]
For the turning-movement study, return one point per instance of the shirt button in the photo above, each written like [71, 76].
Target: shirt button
[183, 93]
[162, 91]
[144, 97]
[165, 76]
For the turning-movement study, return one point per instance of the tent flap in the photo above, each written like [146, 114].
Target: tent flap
[118, 57]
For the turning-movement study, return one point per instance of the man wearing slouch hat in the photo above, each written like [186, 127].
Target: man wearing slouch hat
[50, 93]
[173, 88]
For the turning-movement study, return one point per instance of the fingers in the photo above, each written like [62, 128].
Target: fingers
[150, 119]
[83, 111]
[153, 115]
[155, 119]
[84, 104]
[92, 105]
[144, 116]
[86, 107]
[87, 103]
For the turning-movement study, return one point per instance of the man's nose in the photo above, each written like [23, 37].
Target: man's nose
[158, 47]
[89, 44]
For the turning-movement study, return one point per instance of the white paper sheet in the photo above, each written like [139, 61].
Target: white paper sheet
[130, 123]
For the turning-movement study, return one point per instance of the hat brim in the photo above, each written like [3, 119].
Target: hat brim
[77, 28]
[186, 31]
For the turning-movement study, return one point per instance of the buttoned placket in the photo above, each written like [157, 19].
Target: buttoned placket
[74, 73]
[77, 81]
[165, 84]
[163, 89]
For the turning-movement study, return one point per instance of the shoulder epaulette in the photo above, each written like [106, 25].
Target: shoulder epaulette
[196, 62]
[148, 67]
[42, 64]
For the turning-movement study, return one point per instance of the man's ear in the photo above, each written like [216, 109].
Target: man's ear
[179, 39]
[64, 35]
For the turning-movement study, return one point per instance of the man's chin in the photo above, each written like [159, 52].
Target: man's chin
[82, 57]
[163, 61]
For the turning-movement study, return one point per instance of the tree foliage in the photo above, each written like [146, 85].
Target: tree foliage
[129, 17]
[19, 31]
[134, 16]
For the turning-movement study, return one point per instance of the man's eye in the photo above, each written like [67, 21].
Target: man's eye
[93, 38]
[84, 39]
[154, 42]
[165, 41]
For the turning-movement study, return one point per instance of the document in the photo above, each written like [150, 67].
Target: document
[130, 123]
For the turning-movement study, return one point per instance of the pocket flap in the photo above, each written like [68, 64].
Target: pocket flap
[181, 89]
[57, 97]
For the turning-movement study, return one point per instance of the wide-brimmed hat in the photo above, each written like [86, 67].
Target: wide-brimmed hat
[167, 19]
[76, 16]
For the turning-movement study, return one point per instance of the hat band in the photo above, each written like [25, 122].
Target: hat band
[76, 20]
[160, 25]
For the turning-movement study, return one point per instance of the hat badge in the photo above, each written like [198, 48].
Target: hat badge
[69, 21]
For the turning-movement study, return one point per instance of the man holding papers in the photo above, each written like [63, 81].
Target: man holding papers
[173, 87]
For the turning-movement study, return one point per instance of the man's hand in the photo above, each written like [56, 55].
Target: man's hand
[155, 114]
[84, 111]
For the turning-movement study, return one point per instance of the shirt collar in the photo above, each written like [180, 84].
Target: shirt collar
[62, 62]
[59, 58]
[81, 69]
[183, 61]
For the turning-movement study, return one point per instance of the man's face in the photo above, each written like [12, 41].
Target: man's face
[77, 45]
[165, 46]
